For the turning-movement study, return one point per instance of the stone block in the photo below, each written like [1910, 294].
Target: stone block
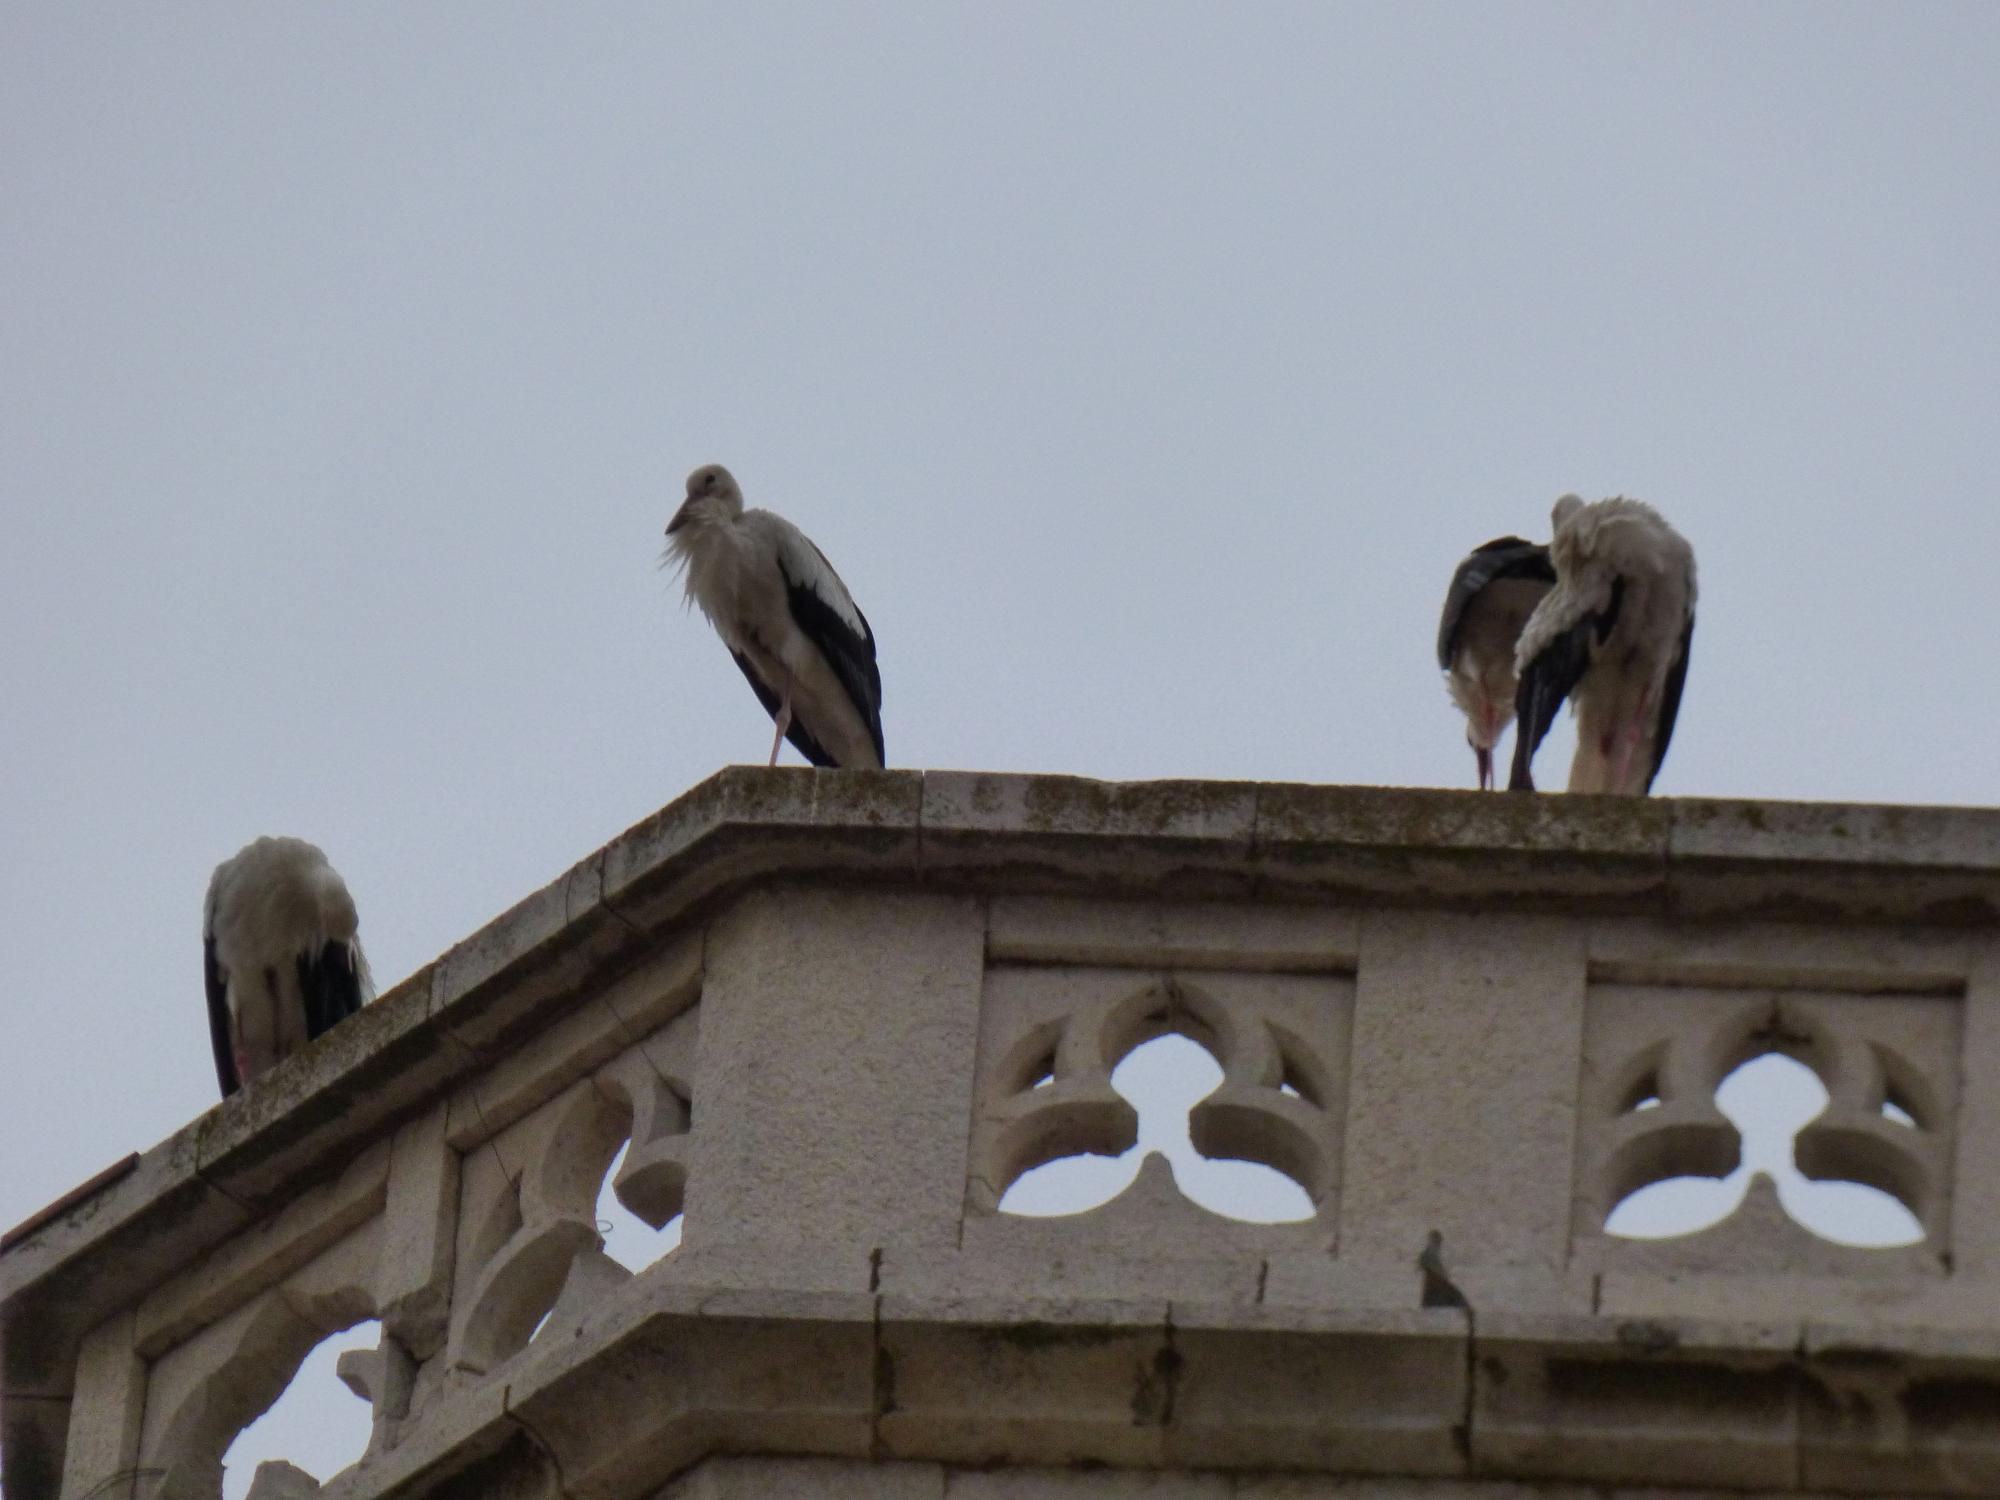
[671, 1374]
[1975, 1166]
[1904, 1301]
[1010, 1380]
[1832, 862]
[621, 1014]
[1317, 1279]
[1052, 833]
[544, 956]
[1235, 936]
[1901, 1411]
[1290, 1388]
[838, 1035]
[110, 1404]
[1636, 1402]
[1462, 1088]
[1085, 1271]
[1461, 848]
[264, 1254]
[746, 821]
[1779, 956]
[419, 1233]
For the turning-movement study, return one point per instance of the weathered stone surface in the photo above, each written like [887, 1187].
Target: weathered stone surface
[1178, 837]
[1975, 1175]
[1636, 1402]
[837, 1046]
[815, 1003]
[1020, 1380]
[1447, 847]
[109, 1406]
[1780, 861]
[746, 822]
[1228, 935]
[1467, 1032]
[1288, 1388]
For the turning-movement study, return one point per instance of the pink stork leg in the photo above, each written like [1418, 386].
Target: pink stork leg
[1628, 746]
[784, 722]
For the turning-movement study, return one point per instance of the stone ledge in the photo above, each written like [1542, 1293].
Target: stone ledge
[991, 833]
[651, 1384]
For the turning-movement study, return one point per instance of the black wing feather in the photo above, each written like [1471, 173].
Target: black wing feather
[800, 736]
[330, 980]
[218, 1019]
[851, 656]
[1503, 557]
[1551, 677]
[1670, 700]
[1547, 681]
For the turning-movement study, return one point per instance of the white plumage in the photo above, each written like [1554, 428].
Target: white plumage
[1492, 594]
[282, 955]
[786, 618]
[1613, 636]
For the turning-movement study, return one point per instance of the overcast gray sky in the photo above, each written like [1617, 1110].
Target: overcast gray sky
[1144, 368]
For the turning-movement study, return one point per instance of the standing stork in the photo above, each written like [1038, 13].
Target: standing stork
[281, 956]
[1491, 596]
[786, 618]
[1613, 635]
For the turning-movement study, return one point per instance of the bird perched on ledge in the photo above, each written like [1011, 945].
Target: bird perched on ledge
[1491, 596]
[1613, 635]
[786, 618]
[281, 955]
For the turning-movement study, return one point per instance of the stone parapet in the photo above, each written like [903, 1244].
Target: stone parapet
[833, 1017]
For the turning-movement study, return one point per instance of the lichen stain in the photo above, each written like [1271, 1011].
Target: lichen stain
[1153, 1396]
[1649, 1337]
[1038, 1336]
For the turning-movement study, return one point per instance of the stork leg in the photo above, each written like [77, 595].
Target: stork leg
[1628, 745]
[238, 1053]
[784, 722]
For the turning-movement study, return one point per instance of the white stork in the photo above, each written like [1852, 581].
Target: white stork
[1613, 635]
[786, 617]
[1491, 596]
[281, 953]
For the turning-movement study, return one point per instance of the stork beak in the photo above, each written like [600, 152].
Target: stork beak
[1484, 755]
[679, 520]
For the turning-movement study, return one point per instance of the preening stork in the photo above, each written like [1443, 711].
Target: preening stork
[1613, 636]
[281, 954]
[1491, 596]
[786, 617]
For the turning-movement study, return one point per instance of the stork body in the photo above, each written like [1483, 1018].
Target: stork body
[1612, 636]
[281, 953]
[1491, 596]
[786, 618]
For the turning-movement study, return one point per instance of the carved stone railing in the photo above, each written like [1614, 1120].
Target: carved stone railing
[835, 1017]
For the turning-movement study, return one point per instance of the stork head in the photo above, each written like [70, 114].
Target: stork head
[1566, 507]
[712, 496]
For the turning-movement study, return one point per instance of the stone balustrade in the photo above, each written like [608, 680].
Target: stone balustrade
[833, 1017]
